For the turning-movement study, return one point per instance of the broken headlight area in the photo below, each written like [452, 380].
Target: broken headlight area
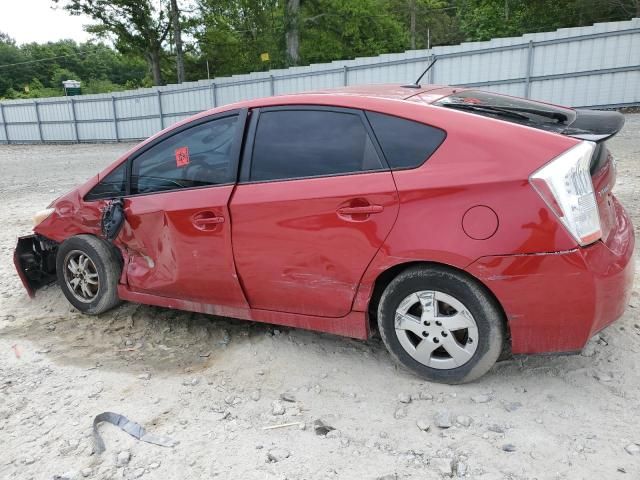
[35, 261]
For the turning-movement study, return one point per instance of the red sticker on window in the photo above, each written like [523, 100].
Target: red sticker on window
[182, 156]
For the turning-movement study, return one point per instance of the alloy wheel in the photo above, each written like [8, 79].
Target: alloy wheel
[436, 329]
[81, 276]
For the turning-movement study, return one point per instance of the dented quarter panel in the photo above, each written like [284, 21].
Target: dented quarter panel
[475, 166]
[556, 301]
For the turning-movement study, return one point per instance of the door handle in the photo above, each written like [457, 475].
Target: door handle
[206, 220]
[363, 210]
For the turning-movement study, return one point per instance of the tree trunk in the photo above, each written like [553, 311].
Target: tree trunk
[153, 58]
[292, 35]
[177, 38]
[412, 15]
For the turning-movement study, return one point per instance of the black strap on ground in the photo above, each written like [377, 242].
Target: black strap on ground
[126, 425]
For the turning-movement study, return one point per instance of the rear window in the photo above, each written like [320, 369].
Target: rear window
[511, 109]
[405, 143]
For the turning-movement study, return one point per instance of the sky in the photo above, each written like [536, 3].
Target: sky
[35, 21]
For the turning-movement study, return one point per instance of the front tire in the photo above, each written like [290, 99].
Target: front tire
[88, 271]
[441, 324]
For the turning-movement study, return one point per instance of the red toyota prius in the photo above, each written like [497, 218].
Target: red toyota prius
[459, 223]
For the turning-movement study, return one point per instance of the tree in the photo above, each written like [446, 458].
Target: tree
[177, 39]
[232, 34]
[135, 25]
[292, 31]
[429, 22]
[335, 30]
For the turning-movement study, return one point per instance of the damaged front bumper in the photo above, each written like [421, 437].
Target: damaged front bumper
[35, 262]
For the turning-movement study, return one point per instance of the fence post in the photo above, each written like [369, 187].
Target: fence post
[4, 124]
[432, 70]
[35, 102]
[115, 117]
[272, 87]
[160, 109]
[75, 121]
[527, 84]
[345, 75]
[214, 95]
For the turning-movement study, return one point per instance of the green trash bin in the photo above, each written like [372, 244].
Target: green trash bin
[71, 88]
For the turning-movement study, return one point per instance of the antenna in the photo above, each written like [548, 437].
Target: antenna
[416, 84]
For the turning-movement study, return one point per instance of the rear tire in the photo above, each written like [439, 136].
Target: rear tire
[88, 271]
[441, 324]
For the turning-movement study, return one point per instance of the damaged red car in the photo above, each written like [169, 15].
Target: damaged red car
[460, 224]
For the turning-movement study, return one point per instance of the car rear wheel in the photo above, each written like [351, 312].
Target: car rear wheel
[441, 324]
[88, 270]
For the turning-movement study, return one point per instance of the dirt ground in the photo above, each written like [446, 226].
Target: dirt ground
[213, 384]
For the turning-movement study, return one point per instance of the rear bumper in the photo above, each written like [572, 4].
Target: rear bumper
[555, 302]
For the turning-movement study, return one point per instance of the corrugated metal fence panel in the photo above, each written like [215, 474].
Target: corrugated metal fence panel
[583, 66]
[20, 112]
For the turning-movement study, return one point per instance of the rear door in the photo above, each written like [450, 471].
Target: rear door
[178, 230]
[314, 204]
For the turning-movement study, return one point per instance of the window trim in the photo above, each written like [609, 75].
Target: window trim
[234, 155]
[122, 164]
[400, 169]
[249, 142]
[234, 160]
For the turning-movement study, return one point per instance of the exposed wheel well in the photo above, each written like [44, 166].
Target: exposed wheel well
[388, 275]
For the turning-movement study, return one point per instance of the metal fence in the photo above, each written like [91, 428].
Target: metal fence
[596, 66]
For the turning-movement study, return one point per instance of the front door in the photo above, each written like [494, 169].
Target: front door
[314, 205]
[178, 227]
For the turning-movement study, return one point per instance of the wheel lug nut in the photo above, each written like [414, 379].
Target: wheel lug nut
[425, 334]
[438, 323]
[444, 334]
[436, 340]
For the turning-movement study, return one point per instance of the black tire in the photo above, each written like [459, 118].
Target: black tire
[104, 261]
[486, 313]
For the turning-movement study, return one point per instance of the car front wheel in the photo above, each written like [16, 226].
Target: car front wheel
[88, 270]
[441, 324]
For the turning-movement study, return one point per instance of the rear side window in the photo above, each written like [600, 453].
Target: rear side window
[405, 143]
[311, 143]
[196, 157]
[112, 186]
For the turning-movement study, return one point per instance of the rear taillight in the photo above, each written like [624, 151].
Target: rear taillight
[565, 185]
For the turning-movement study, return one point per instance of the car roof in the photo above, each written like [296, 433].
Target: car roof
[390, 91]
[344, 96]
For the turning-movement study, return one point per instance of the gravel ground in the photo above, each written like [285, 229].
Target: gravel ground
[213, 384]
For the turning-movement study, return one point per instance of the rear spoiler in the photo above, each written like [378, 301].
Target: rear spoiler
[595, 125]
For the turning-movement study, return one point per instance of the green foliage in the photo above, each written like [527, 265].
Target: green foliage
[333, 29]
[54, 62]
[486, 19]
[231, 35]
